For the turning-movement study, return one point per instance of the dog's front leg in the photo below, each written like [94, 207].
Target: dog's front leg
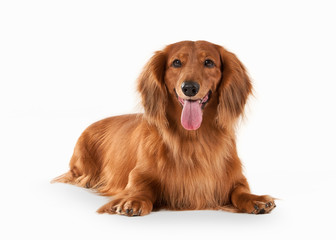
[246, 202]
[136, 199]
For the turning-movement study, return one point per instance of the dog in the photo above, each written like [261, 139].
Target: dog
[180, 154]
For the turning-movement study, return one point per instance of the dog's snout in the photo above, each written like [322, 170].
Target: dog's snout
[190, 89]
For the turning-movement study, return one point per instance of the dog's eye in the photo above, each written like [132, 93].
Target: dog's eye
[177, 63]
[209, 63]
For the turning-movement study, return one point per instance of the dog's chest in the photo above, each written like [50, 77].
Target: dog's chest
[195, 187]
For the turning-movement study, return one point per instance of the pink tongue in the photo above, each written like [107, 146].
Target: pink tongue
[191, 117]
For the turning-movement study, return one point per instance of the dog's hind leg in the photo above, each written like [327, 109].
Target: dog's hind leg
[83, 172]
[64, 178]
[75, 175]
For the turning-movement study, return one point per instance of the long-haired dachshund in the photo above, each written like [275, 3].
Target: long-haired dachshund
[181, 152]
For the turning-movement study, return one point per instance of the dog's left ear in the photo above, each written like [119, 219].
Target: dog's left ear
[152, 89]
[234, 89]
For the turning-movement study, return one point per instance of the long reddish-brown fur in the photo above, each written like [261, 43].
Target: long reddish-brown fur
[149, 160]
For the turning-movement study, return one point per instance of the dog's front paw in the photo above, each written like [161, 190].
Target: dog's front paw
[266, 205]
[255, 204]
[128, 207]
[260, 204]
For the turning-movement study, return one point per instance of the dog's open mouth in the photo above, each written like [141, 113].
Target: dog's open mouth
[191, 117]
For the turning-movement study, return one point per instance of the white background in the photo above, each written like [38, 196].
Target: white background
[66, 64]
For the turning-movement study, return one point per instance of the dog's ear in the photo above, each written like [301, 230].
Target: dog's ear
[153, 90]
[234, 89]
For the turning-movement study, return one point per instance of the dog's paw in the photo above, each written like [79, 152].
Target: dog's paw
[261, 205]
[128, 207]
[254, 204]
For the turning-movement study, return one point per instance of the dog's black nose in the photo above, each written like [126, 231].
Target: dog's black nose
[190, 88]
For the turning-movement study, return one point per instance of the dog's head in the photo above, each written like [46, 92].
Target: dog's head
[194, 80]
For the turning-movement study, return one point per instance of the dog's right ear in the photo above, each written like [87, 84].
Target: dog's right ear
[152, 89]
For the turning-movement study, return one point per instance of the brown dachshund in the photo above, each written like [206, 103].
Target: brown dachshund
[181, 152]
